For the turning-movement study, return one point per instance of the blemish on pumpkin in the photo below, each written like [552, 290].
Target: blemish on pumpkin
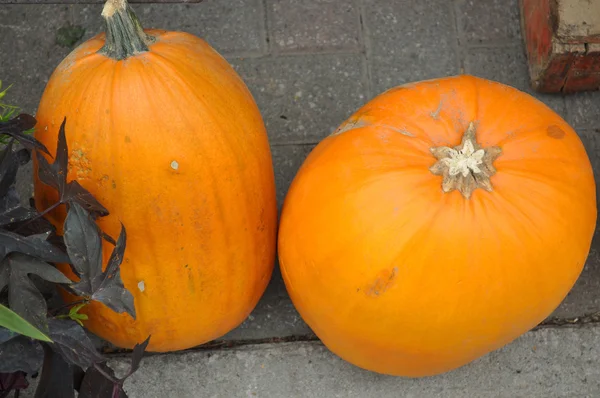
[383, 282]
[191, 285]
[436, 114]
[80, 164]
[142, 286]
[127, 139]
[350, 125]
[555, 132]
[174, 165]
[397, 130]
[103, 179]
[114, 184]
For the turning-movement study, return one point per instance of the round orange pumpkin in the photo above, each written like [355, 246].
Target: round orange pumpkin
[165, 134]
[438, 223]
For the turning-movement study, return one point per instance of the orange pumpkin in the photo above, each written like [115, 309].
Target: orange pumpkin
[438, 223]
[164, 133]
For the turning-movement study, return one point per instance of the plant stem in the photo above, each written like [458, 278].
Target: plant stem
[74, 303]
[49, 209]
[42, 214]
[125, 35]
[116, 392]
[467, 166]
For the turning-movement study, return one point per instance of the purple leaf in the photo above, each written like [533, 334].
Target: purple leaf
[96, 384]
[84, 244]
[6, 334]
[112, 292]
[55, 175]
[77, 194]
[56, 379]
[12, 214]
[13, 243]
[32, 225]
[11, 210]
[100, 381]
[21, 353]
[73, 344]
[137, 355]
[16, 128]
[8, 169]
[23, 296]
[13, 381]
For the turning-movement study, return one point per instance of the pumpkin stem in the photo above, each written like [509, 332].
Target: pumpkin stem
[125, 35]
[467, 166]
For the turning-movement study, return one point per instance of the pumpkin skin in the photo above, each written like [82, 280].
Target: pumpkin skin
[399, 277]
[171, 142]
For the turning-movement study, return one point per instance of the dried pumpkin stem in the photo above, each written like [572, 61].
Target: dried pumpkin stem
[125, 35]
[467, 166]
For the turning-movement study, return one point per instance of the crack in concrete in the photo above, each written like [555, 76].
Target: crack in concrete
[225, 344]
[589, 319]
[580, 320]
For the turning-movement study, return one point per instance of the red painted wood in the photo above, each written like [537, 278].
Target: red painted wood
[556, 64]
[538, 32]
[584, 73]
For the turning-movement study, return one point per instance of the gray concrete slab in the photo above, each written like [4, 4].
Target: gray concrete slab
[288, 159]
[333, 25]
[548, 363]
[409, 41]
[488, 21]
[30, 55]
[304, 98]
[584, 110]
[274, 317]
[231, 27]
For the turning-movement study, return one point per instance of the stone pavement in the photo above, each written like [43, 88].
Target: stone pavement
[310, 64]
[546, 363]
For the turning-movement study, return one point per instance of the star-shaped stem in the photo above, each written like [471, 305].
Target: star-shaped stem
[467, 166]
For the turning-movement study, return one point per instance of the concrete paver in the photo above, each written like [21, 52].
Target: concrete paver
[304, 98]
[409, 41]
[333, 25]
[584, 110]
[549, 362]
[232, 26]
[481, 22]
[288, 159]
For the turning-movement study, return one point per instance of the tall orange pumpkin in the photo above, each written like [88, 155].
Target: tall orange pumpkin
[165, 134]
[441, 221]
